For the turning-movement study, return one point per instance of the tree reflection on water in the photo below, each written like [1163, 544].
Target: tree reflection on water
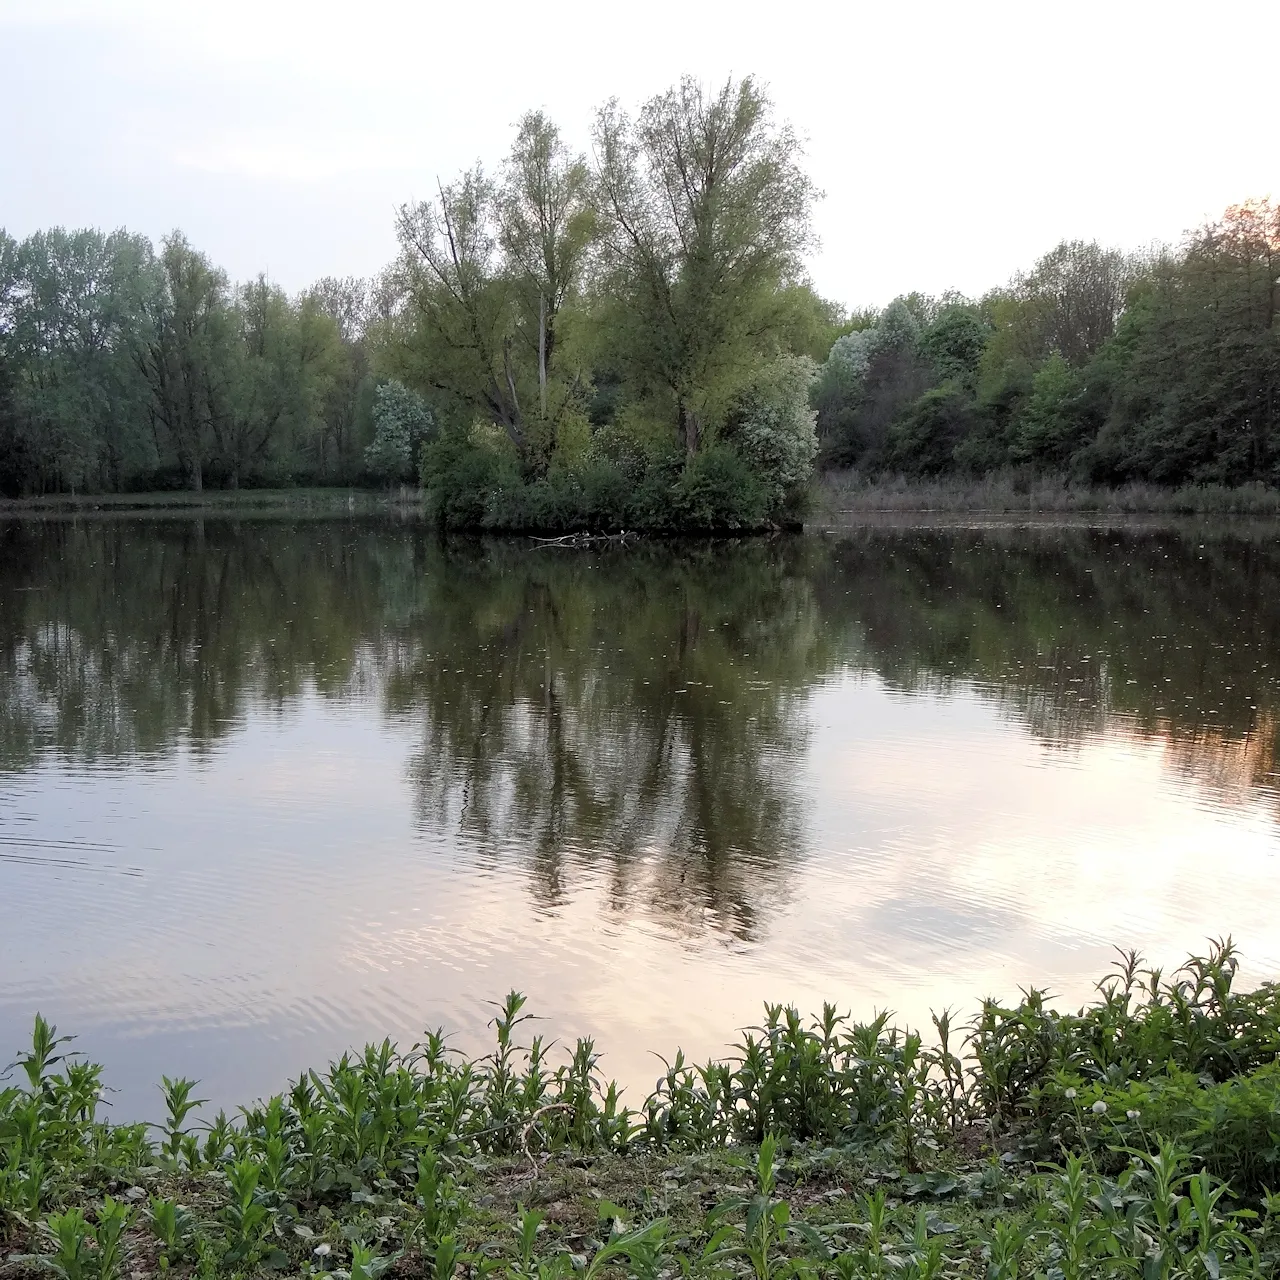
[642, 711]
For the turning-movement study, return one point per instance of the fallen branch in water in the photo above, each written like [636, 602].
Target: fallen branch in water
[585, 539]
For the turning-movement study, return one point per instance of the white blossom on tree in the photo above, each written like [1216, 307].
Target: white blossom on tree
[773, 428]
[401, 424]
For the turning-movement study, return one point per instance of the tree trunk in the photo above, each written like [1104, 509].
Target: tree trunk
[690, 428]
[542, 353]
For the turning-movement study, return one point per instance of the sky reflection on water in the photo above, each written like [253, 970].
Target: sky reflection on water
[268, 789]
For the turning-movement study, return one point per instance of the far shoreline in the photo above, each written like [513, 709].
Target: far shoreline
[848, 493]
[840, 501]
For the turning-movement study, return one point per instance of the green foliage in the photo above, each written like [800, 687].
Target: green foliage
[869, 378]
[402, 424]
[1229, 1127]
[925, 439]
[174, 1227]
[655, 301]
[1197, 394]
[73, 308]
[704, 214]
[121, 367]
[180, 1104]
[954, 343]
[472, 485]
[88, 1251]
[771, 426]
[462, 479]
[1159, 1104]
[1094, 364]
[719, 490]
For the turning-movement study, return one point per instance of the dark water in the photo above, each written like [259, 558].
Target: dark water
[270, 788]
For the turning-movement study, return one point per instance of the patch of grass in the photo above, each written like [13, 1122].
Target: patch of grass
[326, 500]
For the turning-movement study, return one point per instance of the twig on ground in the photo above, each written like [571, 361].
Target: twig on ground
[527, 1132]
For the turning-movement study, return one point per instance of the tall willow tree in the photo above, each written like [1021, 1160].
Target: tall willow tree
[459, 334]
[343, 427]
[546, 226]
[488, 268]
[704, 214]
[185, 353]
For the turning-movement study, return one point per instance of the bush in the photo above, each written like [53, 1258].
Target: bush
[463, 479]
[771, 426]
[719, 491]
[473, 486]
[1230, 1127]
[402, 423]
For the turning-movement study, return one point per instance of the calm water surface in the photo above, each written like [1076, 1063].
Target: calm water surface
[270, 788]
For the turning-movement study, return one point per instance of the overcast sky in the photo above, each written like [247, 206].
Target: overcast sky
[955, 142]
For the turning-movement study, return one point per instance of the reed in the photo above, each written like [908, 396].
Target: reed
[840, 494]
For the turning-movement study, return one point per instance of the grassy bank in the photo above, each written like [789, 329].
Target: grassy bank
[843, 493]
[1137, 1137]
[312, 500]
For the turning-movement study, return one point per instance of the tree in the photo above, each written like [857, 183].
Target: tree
[954, 343]
[1068, 303]
[870, 376]
[274, 382]
[70, 305]
[704, 214]
[1198, 387]
[402, 423]
[185, 354]
[772, 427]
[352, 304]
[924, 440]
[546, 226]
[461, 304]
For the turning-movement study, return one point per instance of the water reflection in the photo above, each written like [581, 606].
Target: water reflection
[1081, 632]
[297, 783]
[639, 709]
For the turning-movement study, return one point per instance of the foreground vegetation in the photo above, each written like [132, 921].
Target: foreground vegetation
[1138, 1137]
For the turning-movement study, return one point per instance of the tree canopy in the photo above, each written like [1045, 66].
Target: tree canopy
[625, 337]
[1095, 364]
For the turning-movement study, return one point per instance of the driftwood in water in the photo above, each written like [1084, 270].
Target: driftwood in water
[586, 539]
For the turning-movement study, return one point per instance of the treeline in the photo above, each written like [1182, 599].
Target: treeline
[629, 340]
[123, 367]
[561, 343]
[1098, 365]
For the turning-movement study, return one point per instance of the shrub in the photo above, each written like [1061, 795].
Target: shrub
[471, 485]
[464, 480]
[1231, 1127]
[771, 426]
[719, 491]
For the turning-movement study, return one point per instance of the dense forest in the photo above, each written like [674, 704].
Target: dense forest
[1098, 365]
[629, 339]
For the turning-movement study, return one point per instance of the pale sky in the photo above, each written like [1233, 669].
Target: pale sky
[955, 142]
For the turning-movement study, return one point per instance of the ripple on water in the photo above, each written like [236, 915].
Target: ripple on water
[398, 779]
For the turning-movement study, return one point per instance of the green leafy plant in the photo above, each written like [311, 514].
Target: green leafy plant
[174, 1227]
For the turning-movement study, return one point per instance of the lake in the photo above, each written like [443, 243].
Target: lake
[272, 787]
